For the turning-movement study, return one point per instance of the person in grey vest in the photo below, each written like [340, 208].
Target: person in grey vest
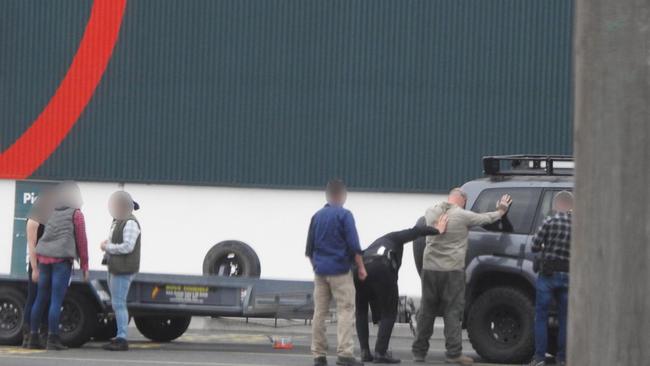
[123, 260]
[34, 230]
[63, 241]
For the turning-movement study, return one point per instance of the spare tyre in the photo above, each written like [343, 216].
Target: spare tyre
[418, 247]
[232, 258]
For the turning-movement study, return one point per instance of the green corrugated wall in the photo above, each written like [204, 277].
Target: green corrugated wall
[391, 95]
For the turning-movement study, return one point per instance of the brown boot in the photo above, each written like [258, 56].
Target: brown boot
[461, 360]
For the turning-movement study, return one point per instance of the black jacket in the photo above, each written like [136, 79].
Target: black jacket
[393, 243]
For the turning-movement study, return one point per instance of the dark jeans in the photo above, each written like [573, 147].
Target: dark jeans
[442, 293]
[32, 290]
[380, 292]
[555, 286]
[53, 283]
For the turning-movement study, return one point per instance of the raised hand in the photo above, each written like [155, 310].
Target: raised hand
[441, 224]
[504, 203]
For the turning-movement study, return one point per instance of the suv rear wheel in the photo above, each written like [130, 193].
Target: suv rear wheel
[500, 325]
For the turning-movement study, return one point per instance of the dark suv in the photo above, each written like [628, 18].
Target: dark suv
[500, 296]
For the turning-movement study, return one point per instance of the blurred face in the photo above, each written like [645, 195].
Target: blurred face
[458, 199]
[114, 207]
[120, 205]
[338, 199]
[69, 195]
[562, 206]
[344, 197]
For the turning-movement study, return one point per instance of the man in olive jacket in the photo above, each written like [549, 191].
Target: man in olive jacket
[123, 259]
[443, 273]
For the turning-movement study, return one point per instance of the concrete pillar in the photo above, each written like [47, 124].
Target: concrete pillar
[609, 310]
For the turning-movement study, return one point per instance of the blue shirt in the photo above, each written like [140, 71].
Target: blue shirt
[332, 241]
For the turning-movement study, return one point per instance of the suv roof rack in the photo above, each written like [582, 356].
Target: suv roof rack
[552, 165]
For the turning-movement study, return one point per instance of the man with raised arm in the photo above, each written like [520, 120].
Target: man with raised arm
[443, 273]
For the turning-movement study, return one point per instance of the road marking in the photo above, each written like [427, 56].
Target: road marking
[144, 346]
[234, 338]
[100, 360]
[19, 351]
[24, 354]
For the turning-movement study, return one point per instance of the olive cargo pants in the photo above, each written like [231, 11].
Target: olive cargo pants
[442, 293]
[341, 288]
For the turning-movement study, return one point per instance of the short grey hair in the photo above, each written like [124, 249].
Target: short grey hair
[459, 191]
[564, 197]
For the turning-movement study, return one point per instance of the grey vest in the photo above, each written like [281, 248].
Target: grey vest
[124, 263]
[58, 239]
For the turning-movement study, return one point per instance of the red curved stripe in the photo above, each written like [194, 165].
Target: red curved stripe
[40, 140]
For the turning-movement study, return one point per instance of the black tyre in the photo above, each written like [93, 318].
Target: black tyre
[162, 328]
[418, 247]
[106, 328]
[500, 325]
[232, 259]
[12, 304]
[78, 319]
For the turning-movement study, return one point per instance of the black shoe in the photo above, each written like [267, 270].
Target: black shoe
[35, 342]
[385, 358]
[419, 358]
[117, 344]
[366, 356]
[320, 361]
[348, 361]
[54, 343]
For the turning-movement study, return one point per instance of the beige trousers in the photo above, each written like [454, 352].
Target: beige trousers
[341, 288]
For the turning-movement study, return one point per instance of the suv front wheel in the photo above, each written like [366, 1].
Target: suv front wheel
[500, 325]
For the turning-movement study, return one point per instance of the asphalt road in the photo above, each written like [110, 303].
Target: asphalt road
[217, 342]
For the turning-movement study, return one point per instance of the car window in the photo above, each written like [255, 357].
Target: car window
[545, 207]
[519, 218]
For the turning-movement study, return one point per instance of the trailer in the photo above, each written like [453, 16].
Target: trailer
[161, 305]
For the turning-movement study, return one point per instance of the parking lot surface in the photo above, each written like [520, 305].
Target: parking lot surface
[219, 342]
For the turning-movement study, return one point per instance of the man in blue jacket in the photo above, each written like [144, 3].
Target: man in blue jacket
[333, 247]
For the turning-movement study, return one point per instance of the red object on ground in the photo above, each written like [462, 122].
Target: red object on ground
[282, 343]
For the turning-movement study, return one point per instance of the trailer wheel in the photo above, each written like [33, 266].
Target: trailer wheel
[106, 328]
[232, 258]
[12, 303]
[162, 328]
[418, 247]
[78, 319]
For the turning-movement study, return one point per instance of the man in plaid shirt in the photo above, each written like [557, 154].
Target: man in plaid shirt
[553, 243]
